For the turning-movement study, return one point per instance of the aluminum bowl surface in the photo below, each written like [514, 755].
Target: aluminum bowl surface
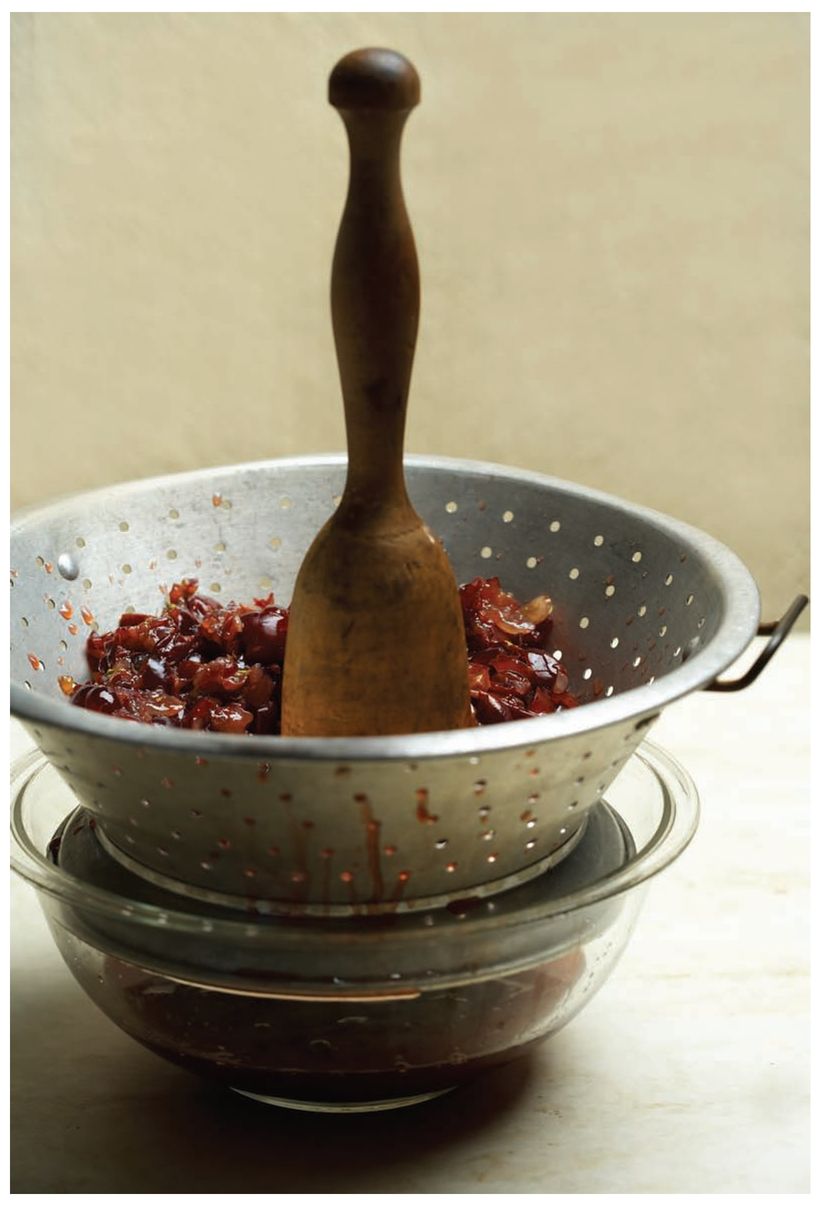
[647, 609]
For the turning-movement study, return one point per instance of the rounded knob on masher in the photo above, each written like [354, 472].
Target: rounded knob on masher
[374, 79]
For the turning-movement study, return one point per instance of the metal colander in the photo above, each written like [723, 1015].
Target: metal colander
[647, 609]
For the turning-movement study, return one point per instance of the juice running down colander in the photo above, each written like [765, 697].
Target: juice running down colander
[646, 609]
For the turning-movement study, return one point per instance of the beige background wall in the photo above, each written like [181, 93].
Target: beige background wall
[611, 214]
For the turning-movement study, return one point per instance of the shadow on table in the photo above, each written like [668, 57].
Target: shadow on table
[146, 1126]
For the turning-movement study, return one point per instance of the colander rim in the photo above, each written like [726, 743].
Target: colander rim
[736, 629]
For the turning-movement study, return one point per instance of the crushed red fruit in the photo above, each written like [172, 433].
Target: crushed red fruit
[511, 674]
[202, 665]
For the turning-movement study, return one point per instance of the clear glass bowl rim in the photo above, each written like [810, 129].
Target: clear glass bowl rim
[679, 815]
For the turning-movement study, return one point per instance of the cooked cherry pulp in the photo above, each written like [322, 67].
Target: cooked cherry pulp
[204, 665]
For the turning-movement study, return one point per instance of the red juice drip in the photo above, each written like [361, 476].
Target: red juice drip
[372, 829]
[422, 815]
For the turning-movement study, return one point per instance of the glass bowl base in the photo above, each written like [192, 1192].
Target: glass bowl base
[344, 1107]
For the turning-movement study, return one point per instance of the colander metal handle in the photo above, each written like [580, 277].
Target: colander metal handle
[776, 630]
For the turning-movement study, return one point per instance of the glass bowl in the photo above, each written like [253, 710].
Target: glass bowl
[358, 1013]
